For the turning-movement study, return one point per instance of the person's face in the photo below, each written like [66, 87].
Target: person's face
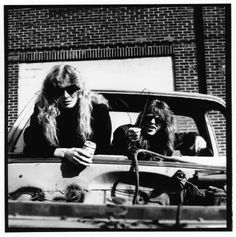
[68, 96]
[152, 124]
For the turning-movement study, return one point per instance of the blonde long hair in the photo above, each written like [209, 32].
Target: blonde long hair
[48, 102]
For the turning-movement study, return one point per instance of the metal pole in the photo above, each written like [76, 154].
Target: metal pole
[200, 49]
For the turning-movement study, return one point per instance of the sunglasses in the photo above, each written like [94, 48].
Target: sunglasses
[69, 89]
[150, 117]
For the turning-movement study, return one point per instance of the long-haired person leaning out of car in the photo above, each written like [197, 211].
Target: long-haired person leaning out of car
[66, 115]
[154, 130]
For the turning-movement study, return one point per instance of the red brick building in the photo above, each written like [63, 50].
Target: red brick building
[196, 37]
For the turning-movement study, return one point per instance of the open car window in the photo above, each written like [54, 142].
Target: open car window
[182, 124]
[191, 115]
[185, 124]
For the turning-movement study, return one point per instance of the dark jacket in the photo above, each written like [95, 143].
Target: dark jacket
[37, 144]
[121, 144]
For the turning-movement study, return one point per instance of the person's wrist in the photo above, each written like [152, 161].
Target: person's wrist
[60, 152]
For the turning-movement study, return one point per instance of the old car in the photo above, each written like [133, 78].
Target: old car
[120, 193]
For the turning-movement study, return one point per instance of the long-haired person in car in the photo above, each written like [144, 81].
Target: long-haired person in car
[66, 115]
[154, 130]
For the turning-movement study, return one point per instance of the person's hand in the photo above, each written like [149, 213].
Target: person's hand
[79, 155]
[199, 144]
[75, 155]
[134, 133]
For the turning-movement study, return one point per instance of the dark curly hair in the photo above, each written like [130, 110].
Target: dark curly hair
[165, 136]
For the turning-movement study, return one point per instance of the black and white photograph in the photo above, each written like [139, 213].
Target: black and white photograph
[118, 117]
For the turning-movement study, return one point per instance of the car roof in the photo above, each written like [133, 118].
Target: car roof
[179, 102]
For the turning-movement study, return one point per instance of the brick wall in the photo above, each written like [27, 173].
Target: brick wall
[54, 34]
[39, 28]
[214, 32]
[186, 78]
[12, 98]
